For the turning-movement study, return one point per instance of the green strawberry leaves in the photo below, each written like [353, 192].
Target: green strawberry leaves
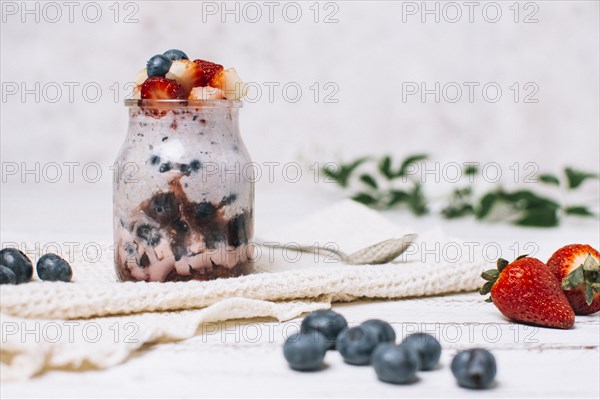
[490, 275]
[586, 276]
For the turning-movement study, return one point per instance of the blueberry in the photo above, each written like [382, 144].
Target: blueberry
[237, 230]
[163, 208]
[166, 167]
[227, 200]
[383, 330]
[213, 233]
[175, 54]
[204, 211]
[7, 276]
[149, 234]
[51, 267]
[18, 262]
[474, 368]
[305, 351]
[158, 65]
[327, 322]
[395, 364]
[357, 344]
[195, 165]
[427, 348]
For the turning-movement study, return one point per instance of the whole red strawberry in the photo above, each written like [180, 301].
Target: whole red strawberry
[525, 290]
[577, 269]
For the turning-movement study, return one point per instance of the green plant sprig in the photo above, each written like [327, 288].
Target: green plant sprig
[520, 207]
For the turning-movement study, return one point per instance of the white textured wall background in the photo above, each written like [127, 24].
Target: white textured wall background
[369, 53]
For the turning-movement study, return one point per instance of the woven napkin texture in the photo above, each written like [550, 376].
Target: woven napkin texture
[40, 320]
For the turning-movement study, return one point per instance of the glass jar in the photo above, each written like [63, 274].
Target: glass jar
[183, 193]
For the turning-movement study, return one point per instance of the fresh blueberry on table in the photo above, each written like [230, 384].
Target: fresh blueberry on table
[395, 364]
[357, 344]
[175, 54]
[383, 330]
[51, 267]
[305, 351]
[18, 263]
[427, 348]
[328, 322]
[158, 65]
[7, 276]
[474, 368]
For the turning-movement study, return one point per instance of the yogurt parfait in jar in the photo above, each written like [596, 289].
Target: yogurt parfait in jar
[184, 192]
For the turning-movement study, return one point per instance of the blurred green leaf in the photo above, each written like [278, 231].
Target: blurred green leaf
[365, 199]
[408, 161]
[526, 199]
[331, 173]
[385, 167]
[457, 211]
[416, 200]
[579, 210]
[485, 205]
[471, 170]
[549, 179]
[539, 217]
[397, 197]
[576, 178]
[344, 171]
[369, 181]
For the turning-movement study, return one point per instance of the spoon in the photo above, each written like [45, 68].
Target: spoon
[378, 253]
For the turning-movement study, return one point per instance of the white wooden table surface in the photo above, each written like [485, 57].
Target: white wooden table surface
[243, 359]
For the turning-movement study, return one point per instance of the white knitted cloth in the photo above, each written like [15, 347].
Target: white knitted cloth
[85, 323]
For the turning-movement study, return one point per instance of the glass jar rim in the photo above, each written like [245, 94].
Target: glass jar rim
[172, 103]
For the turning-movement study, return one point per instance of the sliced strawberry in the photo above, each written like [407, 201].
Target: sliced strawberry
[187, 73]
[577, 269]
[160, 88]
[210, 70]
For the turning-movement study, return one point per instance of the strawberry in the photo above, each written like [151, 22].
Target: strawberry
[525, 290]
[577, 269]
[159, 88]
[187, 73]
[210, 70]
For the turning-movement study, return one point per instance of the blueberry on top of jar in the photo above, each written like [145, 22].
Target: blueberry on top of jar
[175, 54]
[158, 65]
